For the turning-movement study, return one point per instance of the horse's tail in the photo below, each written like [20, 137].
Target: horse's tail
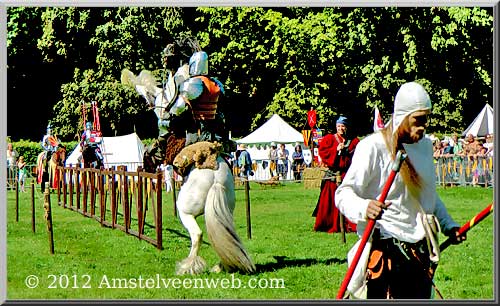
[222, 233]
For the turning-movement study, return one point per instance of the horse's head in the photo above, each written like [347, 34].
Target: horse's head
[60, 155]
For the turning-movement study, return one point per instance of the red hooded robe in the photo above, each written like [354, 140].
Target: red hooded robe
[326, 213]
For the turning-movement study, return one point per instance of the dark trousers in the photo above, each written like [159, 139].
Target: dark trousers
[407, 276]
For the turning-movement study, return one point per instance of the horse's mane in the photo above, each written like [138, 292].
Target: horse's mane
[180, 51]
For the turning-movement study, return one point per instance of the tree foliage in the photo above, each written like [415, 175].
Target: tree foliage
[285, 60]
[98, 43]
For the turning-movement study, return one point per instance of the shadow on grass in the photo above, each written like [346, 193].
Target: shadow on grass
[285, 262]
[183, 235]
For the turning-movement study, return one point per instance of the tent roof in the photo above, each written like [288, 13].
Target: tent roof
[275, 129]
[119, 150]
[482, 124]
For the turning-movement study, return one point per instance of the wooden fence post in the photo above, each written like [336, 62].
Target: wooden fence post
[139, 202]
[58, 175]
[174, 197]
[33, 206]
[17, 198]
[84, 190]
[102, 195]
[338, 181]
[48, 217]
[92, 192]
[247, 200]
[126, 208]
[71, 187]
[113, 200]
[64, 187]
[159, 219]
[78, 172]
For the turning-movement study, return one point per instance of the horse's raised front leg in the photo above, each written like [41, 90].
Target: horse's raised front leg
[193, 264]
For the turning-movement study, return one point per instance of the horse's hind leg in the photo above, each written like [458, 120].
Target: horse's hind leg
[193, 264]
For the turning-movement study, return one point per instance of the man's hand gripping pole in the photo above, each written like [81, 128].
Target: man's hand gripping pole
[371, 224]
[467, 226]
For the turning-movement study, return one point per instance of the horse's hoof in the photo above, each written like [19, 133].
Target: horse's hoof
[191, 265]
[217, 268]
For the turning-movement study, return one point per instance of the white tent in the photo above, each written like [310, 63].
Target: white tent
[274, 130]
[482, 124]
[127, 150]
[278, 131]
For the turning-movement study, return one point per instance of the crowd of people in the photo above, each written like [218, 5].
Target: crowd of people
[464, 161]
[469, 146]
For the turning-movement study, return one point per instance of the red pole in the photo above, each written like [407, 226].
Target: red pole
[467, 226]
[371, 224]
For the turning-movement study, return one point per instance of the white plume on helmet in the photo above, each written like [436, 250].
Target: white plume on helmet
[411, 97]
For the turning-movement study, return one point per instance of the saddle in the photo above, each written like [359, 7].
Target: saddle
[201, 155]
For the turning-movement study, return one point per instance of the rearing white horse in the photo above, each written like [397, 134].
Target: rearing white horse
[204, 191]
[212, 192]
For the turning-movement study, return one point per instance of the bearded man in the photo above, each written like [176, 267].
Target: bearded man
[402, 251]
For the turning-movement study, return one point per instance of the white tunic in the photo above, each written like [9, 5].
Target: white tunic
[366, 177]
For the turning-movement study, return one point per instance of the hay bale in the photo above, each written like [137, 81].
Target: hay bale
[238, 182]
[313, 176]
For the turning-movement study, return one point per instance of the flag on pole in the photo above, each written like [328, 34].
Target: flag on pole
[311, 118]
[378, 123]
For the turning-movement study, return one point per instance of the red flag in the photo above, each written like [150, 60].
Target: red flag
[311, 118]
[378, 123]
[97, 122]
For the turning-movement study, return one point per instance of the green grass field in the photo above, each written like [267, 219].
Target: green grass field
[293, 261]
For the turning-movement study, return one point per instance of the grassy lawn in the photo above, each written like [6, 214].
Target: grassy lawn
[292, 260]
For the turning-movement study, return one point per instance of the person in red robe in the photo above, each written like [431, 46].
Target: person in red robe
[335, 151]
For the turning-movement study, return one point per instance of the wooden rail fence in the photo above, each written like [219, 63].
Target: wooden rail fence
[122, 199]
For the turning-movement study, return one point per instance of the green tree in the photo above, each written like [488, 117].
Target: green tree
[285, 60]
[99, 43]
[349, 60]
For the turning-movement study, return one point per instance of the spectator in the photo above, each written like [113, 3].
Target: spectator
[167, 175]
[273, 158]
[21, 165]
[406, 244]
[438, 150]
[458, 149]
[489, 145]
[11, 166]
[471, 146]
[245, 162]
[447, 150]
[283, 161]
[298, 162]
[458, 154]
[478, 169]
[336, 151]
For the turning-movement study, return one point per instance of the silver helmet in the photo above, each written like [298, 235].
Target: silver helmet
[198, 63]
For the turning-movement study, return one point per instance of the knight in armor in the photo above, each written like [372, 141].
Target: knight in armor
[192, 113]
[48, 146]
[92, 139]
[202, 93]
[192, 89]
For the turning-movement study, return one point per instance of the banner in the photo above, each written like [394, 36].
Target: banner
[311, 118]
[317, 135]
[306, 134]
